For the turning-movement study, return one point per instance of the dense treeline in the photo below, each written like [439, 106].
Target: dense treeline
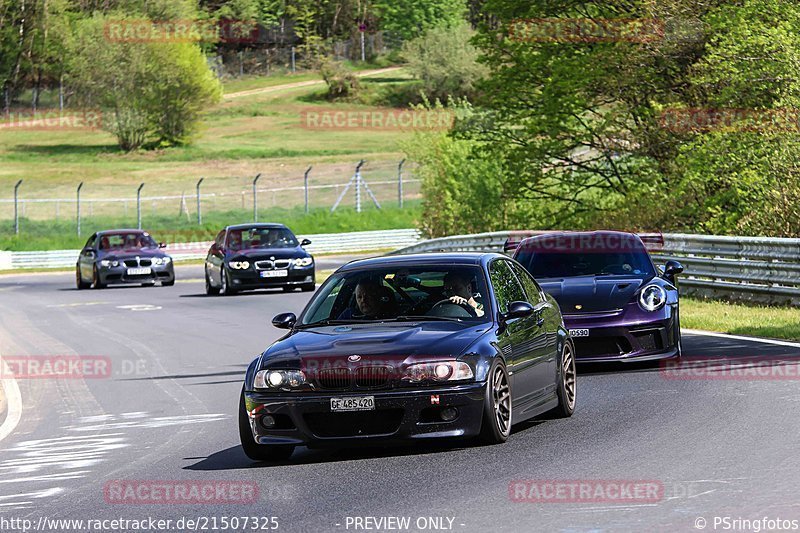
[688, 122]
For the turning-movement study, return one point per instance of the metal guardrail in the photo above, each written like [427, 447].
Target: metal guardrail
[754, 269]
[322, 243]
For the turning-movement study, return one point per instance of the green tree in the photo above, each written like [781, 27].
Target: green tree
[412, 18]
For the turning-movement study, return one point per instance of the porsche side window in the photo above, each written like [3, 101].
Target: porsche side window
[532, 288]
[506, 287]
[219, 239]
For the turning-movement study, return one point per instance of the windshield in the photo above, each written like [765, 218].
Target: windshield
[544, 262]
[447, 293]
[126, 241]
[242, 239]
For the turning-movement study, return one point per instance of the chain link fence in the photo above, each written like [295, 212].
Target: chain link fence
[392, 183]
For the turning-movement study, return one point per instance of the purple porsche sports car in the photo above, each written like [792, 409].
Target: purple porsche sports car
[616, 304]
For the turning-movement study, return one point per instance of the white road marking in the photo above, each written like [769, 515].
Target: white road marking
[140, 307]
[78, 304]
[14, 400]
[741, 337]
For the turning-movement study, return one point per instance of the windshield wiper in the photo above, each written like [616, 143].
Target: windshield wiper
[415, 318]
[332, 322]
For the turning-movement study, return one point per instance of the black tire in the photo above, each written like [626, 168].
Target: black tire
[96, 279]
[253, 450]
[210, 289]
[79, 283]
[309, 287]
[168, 283]
[225, 289]
[496, 425]
[567, 384]
[678, 343]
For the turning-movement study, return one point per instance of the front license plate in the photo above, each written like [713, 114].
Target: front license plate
[579, 333]
[143, 271]
[362, 403]
[275, 274]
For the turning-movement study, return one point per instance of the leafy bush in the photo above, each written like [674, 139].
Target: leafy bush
[342, 83]
[151, 91]
[446, 62]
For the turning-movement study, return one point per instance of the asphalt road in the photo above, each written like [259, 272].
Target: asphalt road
[167, 412]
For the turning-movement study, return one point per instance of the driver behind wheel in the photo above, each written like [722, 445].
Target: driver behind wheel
[458, 289]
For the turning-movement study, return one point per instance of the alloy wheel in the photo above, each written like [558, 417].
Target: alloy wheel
[568, 375]
[501, 395]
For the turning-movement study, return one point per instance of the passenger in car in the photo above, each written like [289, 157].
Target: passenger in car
[373, 301]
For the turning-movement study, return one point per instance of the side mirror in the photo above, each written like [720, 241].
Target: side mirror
[162, 245]
[672, 269]
[517, 310]
[89, 252]
[305, 242]
[284, 320]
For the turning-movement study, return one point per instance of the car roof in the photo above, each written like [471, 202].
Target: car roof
[116, 231]
[270, 225]
[434, 258]
[578, 234]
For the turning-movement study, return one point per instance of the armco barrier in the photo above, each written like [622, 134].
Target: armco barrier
[362, 241]
[755, 269]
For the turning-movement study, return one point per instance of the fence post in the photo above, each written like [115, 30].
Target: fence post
[199, 211]
[293, 59]
[305, 187]
[16, 207]
[400, 183]
[139, 206]
[78, 207]
[358, 185]
[255, 198]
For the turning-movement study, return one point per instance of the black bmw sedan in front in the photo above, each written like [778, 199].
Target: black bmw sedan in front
[410, 348]
[258, 256]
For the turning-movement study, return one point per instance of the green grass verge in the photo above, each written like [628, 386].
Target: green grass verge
[738, 319]
[62, 235]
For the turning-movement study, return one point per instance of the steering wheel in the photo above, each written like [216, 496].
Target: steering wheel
[616, 269]
[465, 306]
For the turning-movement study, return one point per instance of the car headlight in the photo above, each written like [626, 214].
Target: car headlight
[443, 371]
[303, 262]
[239, 265]
[652, 298]
[105, 263]
[279, 379]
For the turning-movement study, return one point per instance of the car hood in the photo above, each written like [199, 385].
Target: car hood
[132, 253]
[399, 343]
[268, 253]
[588, 294]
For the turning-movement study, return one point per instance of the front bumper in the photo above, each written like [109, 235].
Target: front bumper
[630, 335]
[304, 418]
[251, 278]
[119, 275]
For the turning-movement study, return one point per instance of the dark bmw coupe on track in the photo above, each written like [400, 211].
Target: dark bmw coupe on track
[258, 256]
[616, 304]
[123, 257]
[410, 348]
